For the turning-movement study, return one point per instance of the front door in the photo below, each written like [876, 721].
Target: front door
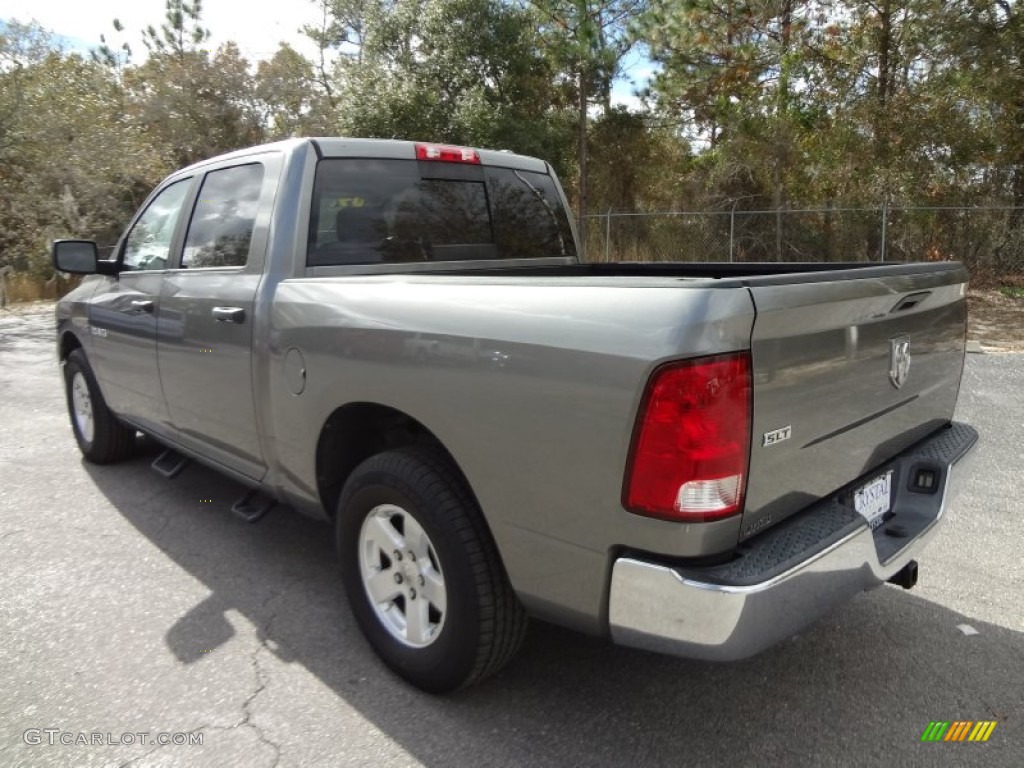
[123, 312]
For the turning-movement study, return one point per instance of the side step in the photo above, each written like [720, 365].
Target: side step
[254, 505]
[170, 463]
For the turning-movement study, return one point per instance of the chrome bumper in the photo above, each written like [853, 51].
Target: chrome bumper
[658, 608]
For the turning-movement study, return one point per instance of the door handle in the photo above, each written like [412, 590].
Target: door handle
[142, 305]
[229, 314]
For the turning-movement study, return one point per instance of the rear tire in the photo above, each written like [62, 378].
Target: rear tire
[422, 574]
[101, 436]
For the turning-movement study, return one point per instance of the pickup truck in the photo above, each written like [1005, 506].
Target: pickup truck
[401, 339]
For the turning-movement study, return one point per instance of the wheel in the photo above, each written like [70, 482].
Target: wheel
[101, 437]
[422, 574]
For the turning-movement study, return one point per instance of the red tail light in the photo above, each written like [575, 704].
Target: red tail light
[447, 154]
[688, 461]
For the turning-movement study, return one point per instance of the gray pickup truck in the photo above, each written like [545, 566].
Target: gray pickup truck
[400, 339]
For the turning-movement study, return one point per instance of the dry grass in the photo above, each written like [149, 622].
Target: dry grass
[21, 288]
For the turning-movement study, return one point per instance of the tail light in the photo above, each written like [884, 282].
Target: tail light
[447, 154]
[691, 446]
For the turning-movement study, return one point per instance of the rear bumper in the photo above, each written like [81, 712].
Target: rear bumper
[785, 579]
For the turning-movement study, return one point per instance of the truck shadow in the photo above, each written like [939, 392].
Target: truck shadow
[859, 687]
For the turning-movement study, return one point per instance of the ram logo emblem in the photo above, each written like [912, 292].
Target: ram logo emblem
[899, 360]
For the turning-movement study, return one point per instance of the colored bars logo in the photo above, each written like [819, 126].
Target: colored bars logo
[959, 730]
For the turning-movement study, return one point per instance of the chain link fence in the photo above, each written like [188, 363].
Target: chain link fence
[990, 241]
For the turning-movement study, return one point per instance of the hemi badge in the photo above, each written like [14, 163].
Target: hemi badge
[777, 436]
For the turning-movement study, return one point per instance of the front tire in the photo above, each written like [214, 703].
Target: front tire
[101, 437]
[422, 574]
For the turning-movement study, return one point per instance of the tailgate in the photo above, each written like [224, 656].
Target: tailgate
[850, 368]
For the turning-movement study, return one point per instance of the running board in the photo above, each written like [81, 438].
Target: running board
[170, 463]
[253, 506]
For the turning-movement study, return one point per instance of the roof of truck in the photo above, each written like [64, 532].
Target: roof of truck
[402, 150]
[339, 146]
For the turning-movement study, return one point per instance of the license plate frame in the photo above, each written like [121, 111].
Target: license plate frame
[873, 499]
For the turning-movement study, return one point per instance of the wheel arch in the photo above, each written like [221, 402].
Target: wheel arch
[356, 431]
[67, 344]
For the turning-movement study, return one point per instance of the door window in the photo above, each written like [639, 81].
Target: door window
[225, 213]
[149, 241]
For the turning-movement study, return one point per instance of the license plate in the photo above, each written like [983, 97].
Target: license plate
[872, 500]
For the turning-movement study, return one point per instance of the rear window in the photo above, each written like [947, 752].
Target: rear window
[368, 211]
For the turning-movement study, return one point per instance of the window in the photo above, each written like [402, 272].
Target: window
[223, 219]
[532, 221]
[149, 241]
[371, 211]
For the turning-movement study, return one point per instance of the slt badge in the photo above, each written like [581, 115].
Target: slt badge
[899, 360]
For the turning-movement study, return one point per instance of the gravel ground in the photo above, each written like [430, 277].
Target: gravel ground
[996, 321]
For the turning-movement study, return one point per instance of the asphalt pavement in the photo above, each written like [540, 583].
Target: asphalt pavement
[134, 608]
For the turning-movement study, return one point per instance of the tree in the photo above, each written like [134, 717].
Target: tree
[728, 71]
[586, 40]
[289, 98]
[192, 102]
[345, 28]
[182, 31]
[462, 71]
[70, 164]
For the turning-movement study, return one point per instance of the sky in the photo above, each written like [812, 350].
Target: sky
[257, 33]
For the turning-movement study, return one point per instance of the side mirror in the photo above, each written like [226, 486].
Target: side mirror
[79, 257]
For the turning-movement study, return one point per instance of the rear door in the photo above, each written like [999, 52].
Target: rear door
[205, 326]
[850, 368]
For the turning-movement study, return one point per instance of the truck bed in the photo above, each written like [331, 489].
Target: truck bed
[821, 343]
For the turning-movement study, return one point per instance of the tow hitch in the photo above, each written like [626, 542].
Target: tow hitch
[906, 576]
